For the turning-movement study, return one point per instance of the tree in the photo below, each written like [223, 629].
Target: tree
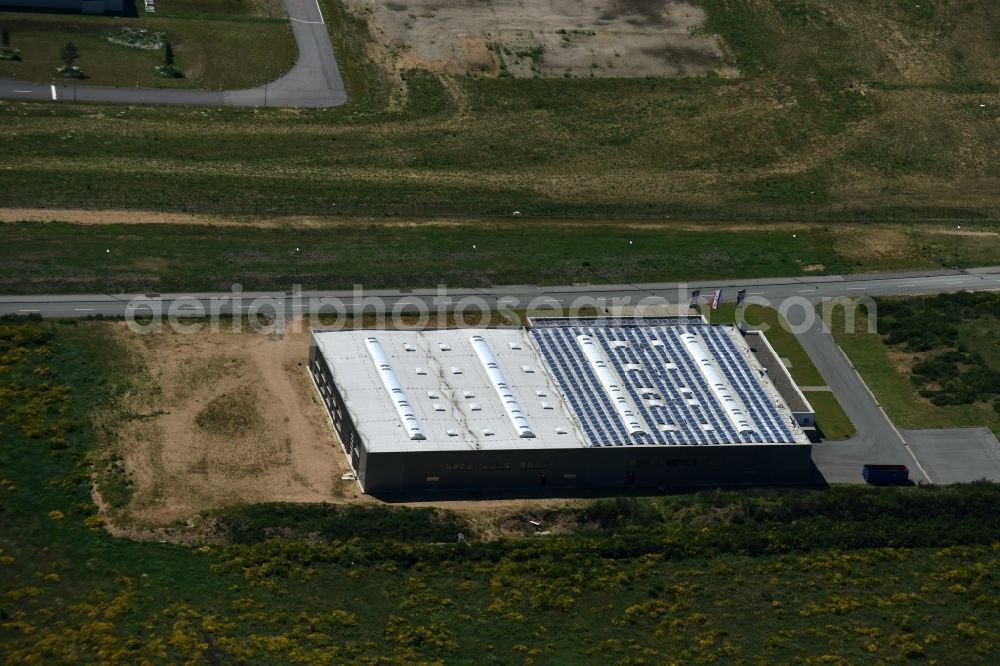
[6, 38]
[168, 53]
[69, 54]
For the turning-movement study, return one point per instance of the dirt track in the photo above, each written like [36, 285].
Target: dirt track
[881, 234]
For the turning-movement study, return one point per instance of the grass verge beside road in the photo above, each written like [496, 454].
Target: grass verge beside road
[337, 253]
[213, 54]
[830, 417]
[887, 371]
[56, 257]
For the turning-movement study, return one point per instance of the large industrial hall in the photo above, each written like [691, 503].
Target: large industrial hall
[564, 402]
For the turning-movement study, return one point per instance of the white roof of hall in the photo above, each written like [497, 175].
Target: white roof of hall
[452, 397]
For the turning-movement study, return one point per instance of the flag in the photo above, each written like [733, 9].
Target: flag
[694, 298]
[740, 295]
[716, 297]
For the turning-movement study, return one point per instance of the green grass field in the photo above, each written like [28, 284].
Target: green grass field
[830, 416]
[342, 252]
[837, 576]
[221, 50]
[899, 397]
[886, 370]
[65, 257]
[857, 110]
[220, 9]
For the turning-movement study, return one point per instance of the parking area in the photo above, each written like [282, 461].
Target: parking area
[956, 455]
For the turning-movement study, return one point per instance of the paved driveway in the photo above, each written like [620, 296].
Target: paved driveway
[877, 440]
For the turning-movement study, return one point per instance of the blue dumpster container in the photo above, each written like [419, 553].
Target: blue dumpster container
[885, 474]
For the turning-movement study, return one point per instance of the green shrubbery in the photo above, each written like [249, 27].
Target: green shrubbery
[950, 373]
[702, 524]
[70, 54]
[137, 38]
[325, 522]
[169, 68]
[7, 52]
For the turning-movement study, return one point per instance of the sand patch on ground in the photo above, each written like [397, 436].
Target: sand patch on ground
[548, 38]
[956, 231]
[83, 216]
[140, 217]
[221, 419]
[863, 243]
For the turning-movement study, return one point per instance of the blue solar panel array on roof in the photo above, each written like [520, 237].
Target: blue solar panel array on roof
[574, 322]
[662, 380]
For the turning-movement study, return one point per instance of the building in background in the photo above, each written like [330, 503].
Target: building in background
[85, 6]
[565, 402]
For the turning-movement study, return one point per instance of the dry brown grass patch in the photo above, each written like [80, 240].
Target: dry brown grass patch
[228, 418]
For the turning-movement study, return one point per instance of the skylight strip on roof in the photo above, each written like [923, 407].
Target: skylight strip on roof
[493, 371]
[716, 384]
[610, 385]
[394, 388]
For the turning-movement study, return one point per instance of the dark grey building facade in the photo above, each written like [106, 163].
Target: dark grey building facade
[625, 466]
[84, 6]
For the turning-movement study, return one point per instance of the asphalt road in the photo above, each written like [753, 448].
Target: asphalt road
[798, 295]
[877, 439]
[314, 81]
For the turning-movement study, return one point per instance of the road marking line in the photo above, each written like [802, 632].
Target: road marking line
[27, 310]
[878, 405]
[22, 91]
[904, 286]
[298, 20]
[957, 282]
[755, 293]
[856, 288]
[805, 291]
[54, 98]
[914, 456]
[320, 10]
[84, 309]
